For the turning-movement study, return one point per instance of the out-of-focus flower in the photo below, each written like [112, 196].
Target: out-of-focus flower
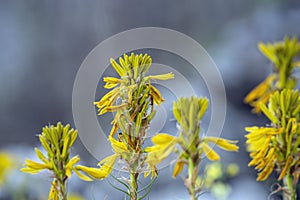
[282, 55]
[7, 163]
[189, 145]
[277, 146]
[73, 196]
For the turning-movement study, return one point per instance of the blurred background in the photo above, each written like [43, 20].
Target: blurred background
[43, 44]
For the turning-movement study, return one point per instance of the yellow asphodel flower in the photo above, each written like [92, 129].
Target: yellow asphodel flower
[164, 145]
[188, 113]
[228, 145]
[107, 164]
[57, 142]
[263, 155]
[132, 83]
[276, 145]
[190, 146]
[282, 55]
[132, 99]
[261, 93]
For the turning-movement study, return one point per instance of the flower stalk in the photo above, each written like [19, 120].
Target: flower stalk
[57, 142]
[282, 56]
[189, 145]
[276, 146]
[132, 99]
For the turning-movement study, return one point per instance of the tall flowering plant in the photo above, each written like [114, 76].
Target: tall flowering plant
[132, 99]
[275, 147]
[190, 146]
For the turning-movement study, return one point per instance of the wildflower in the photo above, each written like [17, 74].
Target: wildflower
[107, 164]
[57, 141]
[276, 147]
[282, 55]
[132, 99]
[189, 145]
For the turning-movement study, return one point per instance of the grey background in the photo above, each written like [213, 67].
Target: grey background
[43, 44]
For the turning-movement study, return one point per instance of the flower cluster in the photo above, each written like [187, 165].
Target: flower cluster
[189, 144]
[57, 142]
[282, 55]
[277, 146]
[132, 98]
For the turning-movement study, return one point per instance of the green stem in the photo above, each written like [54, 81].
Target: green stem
[133, 185]
[288, 182]
[61, 181]
[62, 191]
[192, 176]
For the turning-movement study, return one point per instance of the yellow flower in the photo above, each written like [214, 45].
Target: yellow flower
[209, 152]
[107, 164]
[178, 168]
[57, 142]
[259, 144]
[261, 93]
[111, 82]
[53, 194]
[228, 145]
[33, 167]
[282, 55]
[71, 163]
[164, 145]
[160, 77]
[7, 163]
[132, 70]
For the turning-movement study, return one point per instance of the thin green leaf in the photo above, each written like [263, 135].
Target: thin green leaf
[125, 192]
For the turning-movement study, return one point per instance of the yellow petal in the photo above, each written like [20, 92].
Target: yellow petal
[157, 98]
[35, 165]
[120, 70]
[96, 173]
[107, 164]
[116, 107]
[223, 143]
[111, 82]
[159, 152]
[41, 156]
[260, 90]
[118, 147]
[162, 138]
[70, 165]
[286, 168]
[267, 50]
[82, 176]
[30, 171]
[114, 129]
[161, 76]
[262, 176]
[53, 194]
[178, 168]
[209, 152]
